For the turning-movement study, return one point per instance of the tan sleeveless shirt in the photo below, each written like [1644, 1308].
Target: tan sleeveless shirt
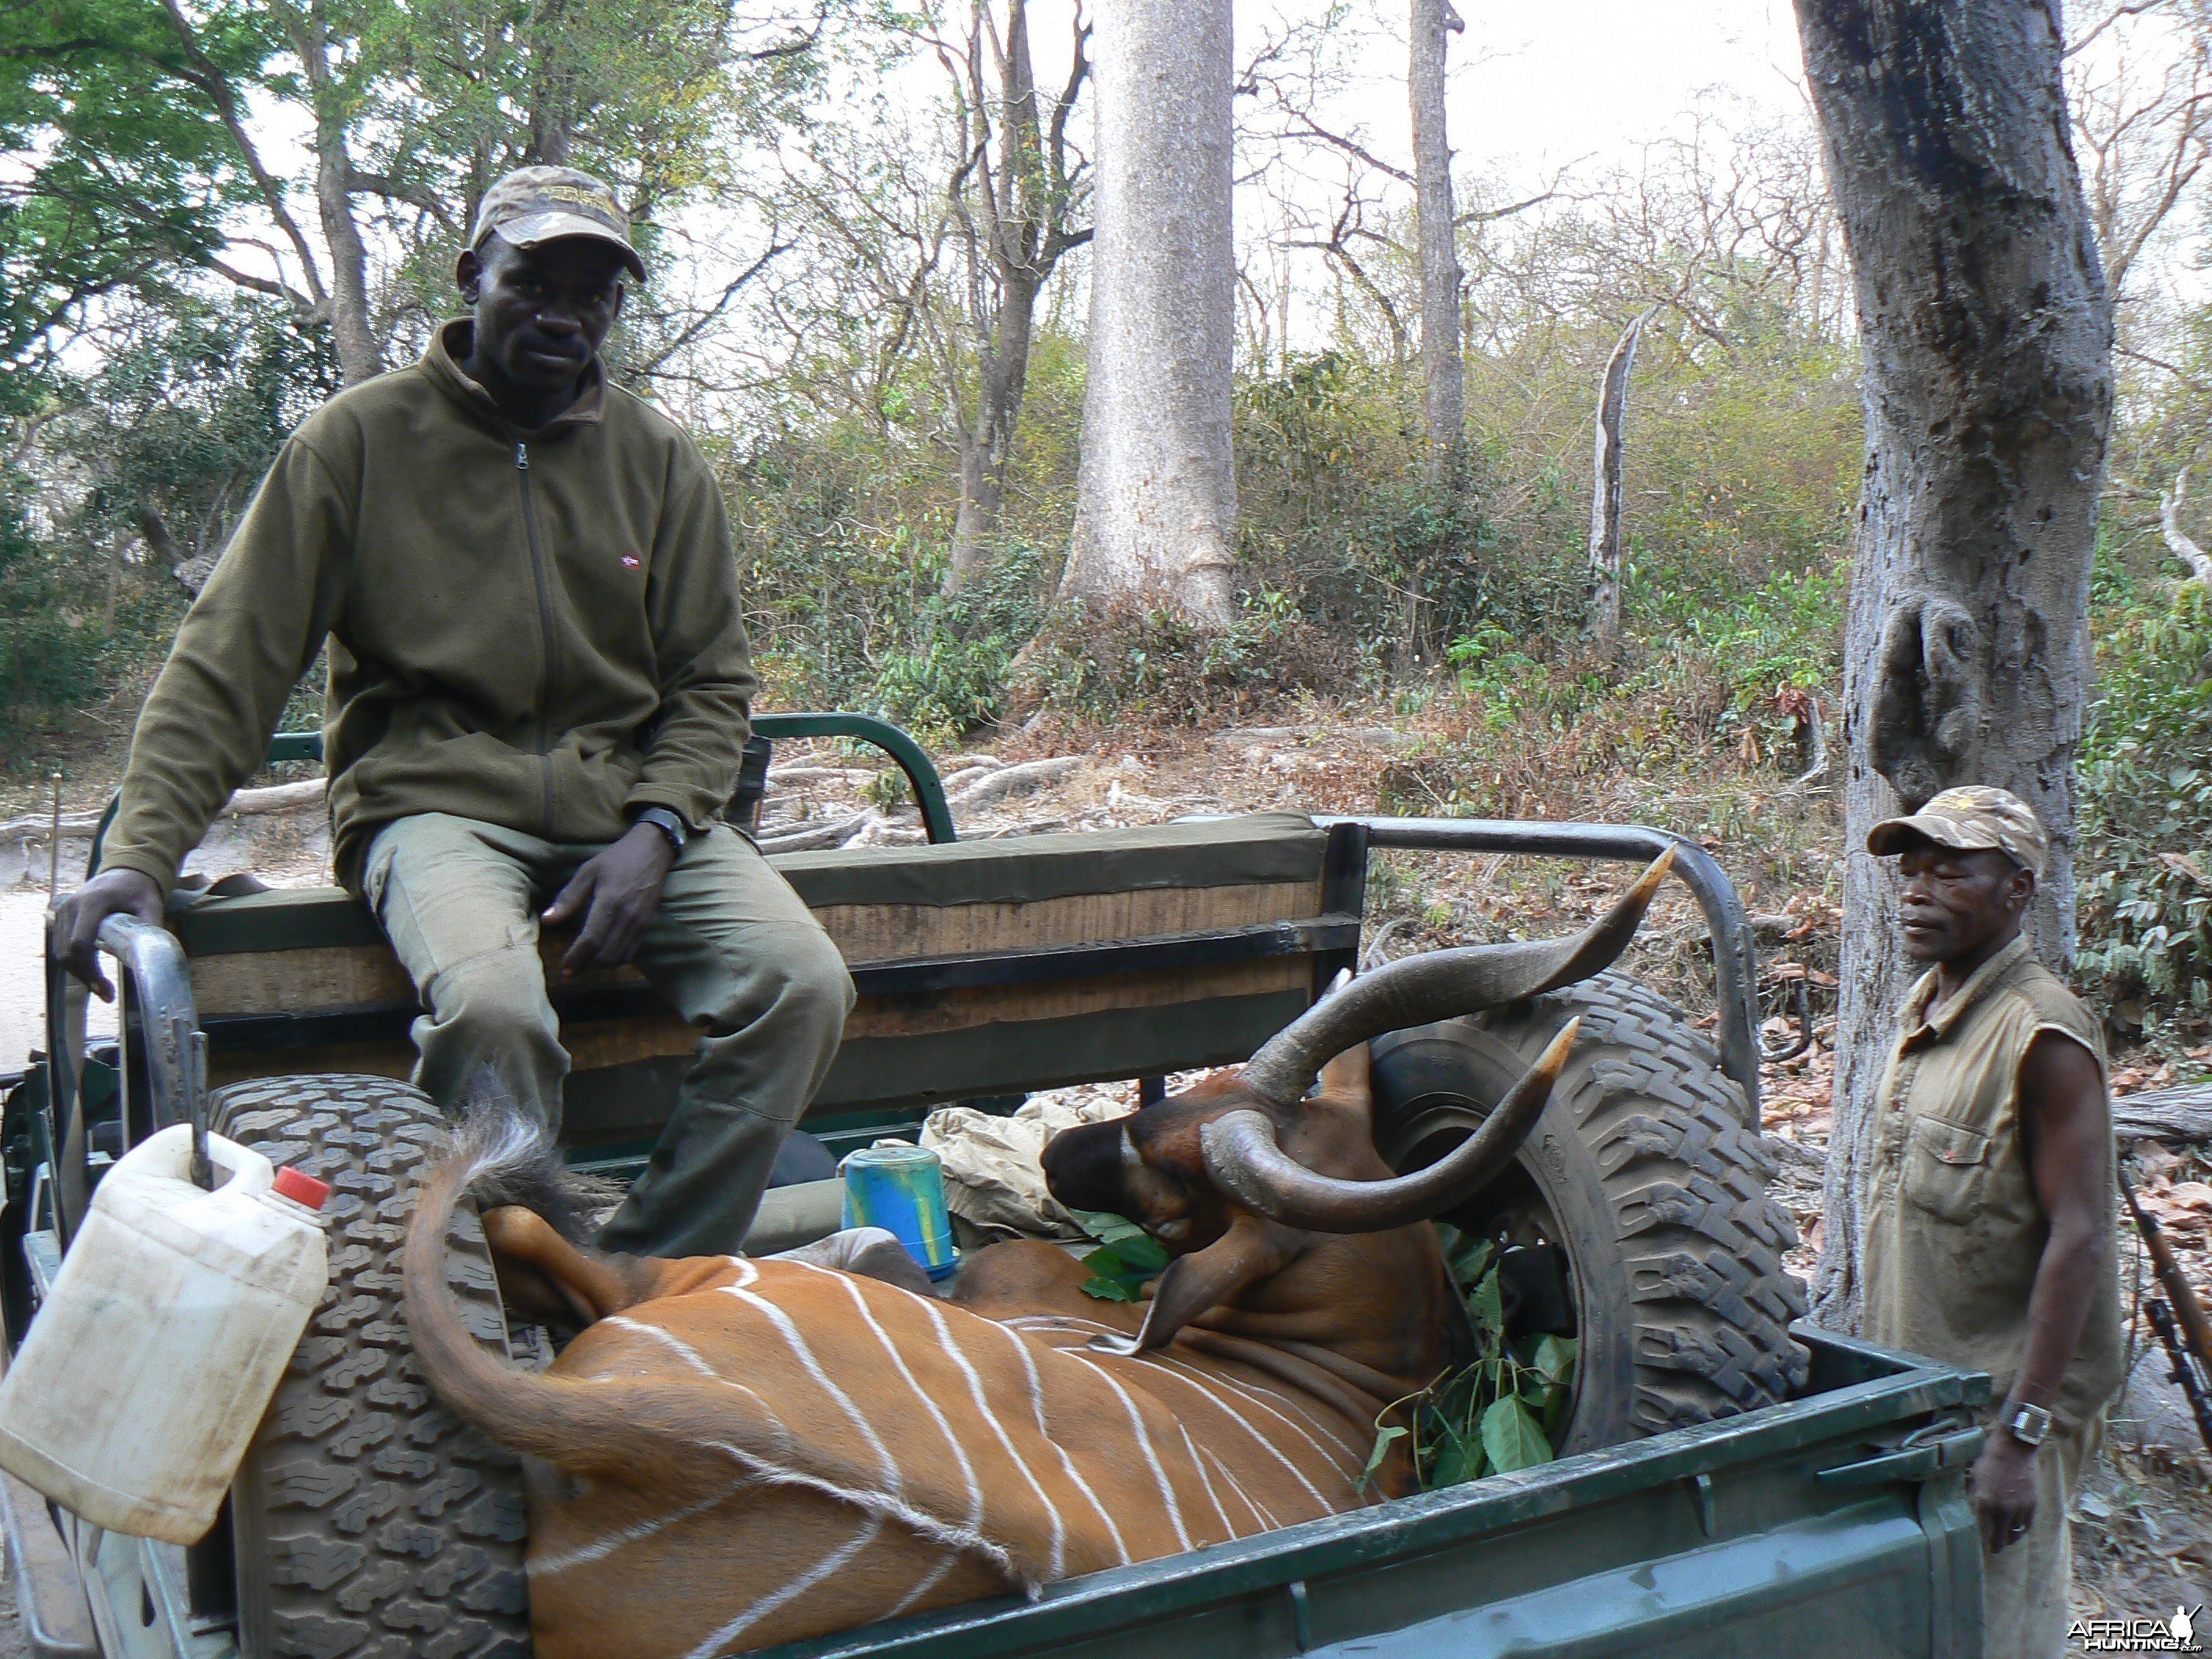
[1953, 1230]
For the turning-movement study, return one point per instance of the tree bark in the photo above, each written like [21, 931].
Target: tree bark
[1443, 393]
[552, 86]
[1155, 498]
[1986, 329]
[987, 446]
[359, 357]
[1604, 621]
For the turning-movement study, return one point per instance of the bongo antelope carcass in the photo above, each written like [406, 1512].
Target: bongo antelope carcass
[733, 1453]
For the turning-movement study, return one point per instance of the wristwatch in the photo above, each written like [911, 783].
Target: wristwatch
[667, 822]
[2026, 1423]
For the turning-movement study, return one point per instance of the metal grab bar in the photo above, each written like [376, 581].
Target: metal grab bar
[1735, 954]
[158, 983]
[153, 982]
[913, 760]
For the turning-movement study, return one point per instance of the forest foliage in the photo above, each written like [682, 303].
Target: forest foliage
[825, 309]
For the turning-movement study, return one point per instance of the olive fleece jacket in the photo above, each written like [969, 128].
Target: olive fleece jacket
[535, 629]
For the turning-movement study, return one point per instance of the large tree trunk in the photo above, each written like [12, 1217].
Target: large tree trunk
[1608, 447]
[1444, 394]
[1987, 335]
[1156, 500]
[552, 85]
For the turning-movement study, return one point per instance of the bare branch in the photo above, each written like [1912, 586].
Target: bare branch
[1483, 215]
[216, 85]
[699, 323]
[398, 190]
[2111, 18]
[2169, 524]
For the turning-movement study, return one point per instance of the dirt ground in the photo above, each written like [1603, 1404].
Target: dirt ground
[12, 1642]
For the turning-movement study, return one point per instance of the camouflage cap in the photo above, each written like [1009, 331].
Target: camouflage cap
[532, 205]
[1970, 817]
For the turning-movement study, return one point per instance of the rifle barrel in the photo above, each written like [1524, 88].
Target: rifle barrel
[2193, 1385]
[2182, 1328]
[2189, 1312]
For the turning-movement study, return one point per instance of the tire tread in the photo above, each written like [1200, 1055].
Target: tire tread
[1685, 1177]
[369, 1519]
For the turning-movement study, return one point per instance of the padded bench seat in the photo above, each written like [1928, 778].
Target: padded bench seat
[983, 968]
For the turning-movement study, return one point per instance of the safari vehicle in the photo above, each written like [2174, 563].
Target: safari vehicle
[1719, 1493]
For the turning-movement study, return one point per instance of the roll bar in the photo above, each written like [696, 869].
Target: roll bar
[156, 976]
[1736, 956]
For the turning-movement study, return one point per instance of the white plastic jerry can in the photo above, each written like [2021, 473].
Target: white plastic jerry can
[162, 1341]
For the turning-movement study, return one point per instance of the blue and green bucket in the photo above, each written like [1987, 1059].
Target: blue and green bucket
[901, 1188]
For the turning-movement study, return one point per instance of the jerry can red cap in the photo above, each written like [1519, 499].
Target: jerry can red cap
[302, 1188]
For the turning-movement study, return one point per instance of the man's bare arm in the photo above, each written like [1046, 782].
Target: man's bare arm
[2067, 1129]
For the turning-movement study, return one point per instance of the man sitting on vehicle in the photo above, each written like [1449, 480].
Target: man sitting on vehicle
[1989, 1235]
[538, 688]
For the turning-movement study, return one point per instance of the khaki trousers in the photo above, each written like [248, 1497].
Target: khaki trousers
[733, 950]
[2025, 1586]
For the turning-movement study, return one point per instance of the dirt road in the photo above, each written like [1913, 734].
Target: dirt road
[12, 1645]
[22, 982]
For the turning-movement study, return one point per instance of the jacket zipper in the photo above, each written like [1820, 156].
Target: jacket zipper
[552, 657]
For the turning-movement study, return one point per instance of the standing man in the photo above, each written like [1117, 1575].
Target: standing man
[538, 693]
[1990, 1229]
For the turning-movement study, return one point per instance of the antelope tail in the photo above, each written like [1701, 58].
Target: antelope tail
[523, 1410]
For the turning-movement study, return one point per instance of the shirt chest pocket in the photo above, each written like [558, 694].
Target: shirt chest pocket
[1947, 1169]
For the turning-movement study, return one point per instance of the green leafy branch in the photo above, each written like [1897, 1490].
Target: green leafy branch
[1503, 1411]
[1127, 1259]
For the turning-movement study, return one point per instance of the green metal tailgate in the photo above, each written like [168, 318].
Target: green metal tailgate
[1714, 1541]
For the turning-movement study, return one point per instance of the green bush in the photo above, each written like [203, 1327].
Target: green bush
[950, 674]
[1152, 664]
[181, 416]
[2146, 820]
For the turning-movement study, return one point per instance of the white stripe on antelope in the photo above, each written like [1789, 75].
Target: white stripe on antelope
[734, 1454]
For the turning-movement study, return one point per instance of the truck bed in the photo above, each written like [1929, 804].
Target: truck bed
[1833, 1527]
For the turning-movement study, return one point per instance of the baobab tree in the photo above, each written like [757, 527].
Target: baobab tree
[1156, 503]
[1987, 335]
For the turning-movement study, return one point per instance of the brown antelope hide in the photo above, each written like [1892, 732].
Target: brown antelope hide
[734, 1453]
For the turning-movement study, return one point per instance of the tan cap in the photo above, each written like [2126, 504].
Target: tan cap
[1970, 817]
[532, 206]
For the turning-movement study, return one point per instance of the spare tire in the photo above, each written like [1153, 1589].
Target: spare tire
[1642, 1174]
[368, 1522]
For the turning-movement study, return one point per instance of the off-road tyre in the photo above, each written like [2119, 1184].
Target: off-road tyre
[1643, 1170]
[368, 1522]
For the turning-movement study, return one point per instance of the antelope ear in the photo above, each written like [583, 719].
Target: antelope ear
[1252, 1249]
[1346, 1080]
[542, 1277]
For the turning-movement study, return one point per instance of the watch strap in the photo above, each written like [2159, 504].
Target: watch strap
[2029, 1424]
[667, 822]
